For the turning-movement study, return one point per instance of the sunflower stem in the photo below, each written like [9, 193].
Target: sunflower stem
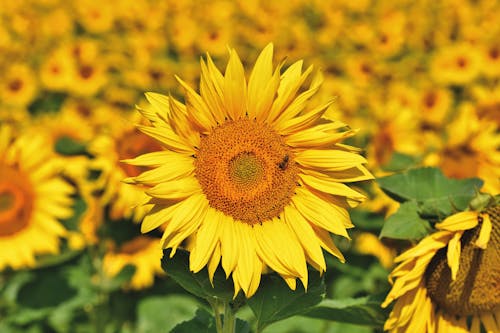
[229, 318]
[217, 314]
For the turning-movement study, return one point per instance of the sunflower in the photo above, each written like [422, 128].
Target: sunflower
[471, 149]
[448, 282]
[143, 253]
[19, 85]
[123, 141]
[32, 199]
[250, 172]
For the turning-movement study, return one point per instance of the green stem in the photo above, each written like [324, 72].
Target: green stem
[229, 319]
[216, 308]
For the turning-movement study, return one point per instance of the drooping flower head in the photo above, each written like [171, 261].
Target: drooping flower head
[250, 172]
[449, 281]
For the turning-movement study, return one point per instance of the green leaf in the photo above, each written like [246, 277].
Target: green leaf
[48, 260]
[436, 195]
[300, 324]
[204, 322]
[406, 223]
[400, 161]
[275, 301]
[359, 311]
[119, 280]
[366, 220]
[68, 146]
[40, 292]
[198, 284]
[162, 313]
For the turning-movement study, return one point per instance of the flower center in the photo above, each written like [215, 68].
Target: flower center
[131, 144]
[16, 201]
[135, 245]
[477, 286]
[246, 170]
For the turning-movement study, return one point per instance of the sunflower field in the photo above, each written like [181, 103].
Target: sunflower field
[239, 166]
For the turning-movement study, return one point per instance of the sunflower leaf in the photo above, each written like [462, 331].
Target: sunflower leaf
[150, 320]
[275, 301]
[197, 284]
[437, 196]
[204, 322]
[359, 311]
[406, 223]
[400, 161]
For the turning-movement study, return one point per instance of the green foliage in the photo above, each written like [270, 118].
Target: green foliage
[425, 194]
[68, 146]
[406, 223]
[197, 284]
[435, 194]
[160, 313]
[275, 301]
[359, 311]
[204, 322]
[400, 161]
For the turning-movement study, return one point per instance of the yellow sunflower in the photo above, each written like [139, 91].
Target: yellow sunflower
[472, 149]
[449, 281]
[32, 199]
[142, 252]
[250, 172]
[123, 141]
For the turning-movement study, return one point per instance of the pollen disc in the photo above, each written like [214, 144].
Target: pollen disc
[16, 201]
[477, 286]
[246, 170]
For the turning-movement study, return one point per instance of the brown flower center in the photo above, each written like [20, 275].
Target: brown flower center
[16, 201]
[136, 245]
[477, 286]
[246, 170]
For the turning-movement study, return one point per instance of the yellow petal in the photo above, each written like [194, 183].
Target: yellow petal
[320, 213]
[153, 159]
[198, 111]
[229, 244]
[355, 174]
[299, 103]
[235, 87]
[188, 212]
[306, 236]
[245, 268]
[258, 82]
[326, 242]
[291, 80]
[206, 239]
[459, 221]
[182, 167]
[211, 92]
[306, 120]
[453, 254]
[168, 138]
[328, 160]
[175, 189]
[214, 262]
[326, 185]
[278, 248]
[485, 232]
[158, 215]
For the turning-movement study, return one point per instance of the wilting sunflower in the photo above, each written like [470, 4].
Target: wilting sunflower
[449, 281]
[32, 199]
[250, 172]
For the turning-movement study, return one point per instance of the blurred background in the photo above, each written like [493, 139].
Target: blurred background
[419, 79]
